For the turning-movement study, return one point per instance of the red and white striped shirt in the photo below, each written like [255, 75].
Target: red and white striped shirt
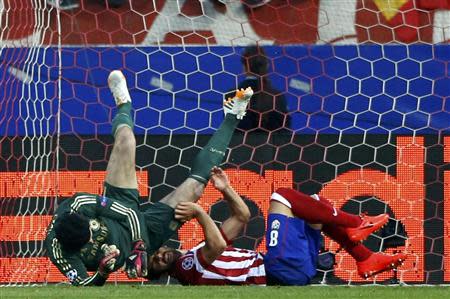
[235, 266]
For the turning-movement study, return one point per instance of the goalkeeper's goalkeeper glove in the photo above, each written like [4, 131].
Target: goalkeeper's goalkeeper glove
[107, 263]
[136, 264]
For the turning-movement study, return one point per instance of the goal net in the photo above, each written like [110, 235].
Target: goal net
[354, 105]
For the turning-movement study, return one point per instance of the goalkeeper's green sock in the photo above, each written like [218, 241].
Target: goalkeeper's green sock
[214, 152]
[122, 118]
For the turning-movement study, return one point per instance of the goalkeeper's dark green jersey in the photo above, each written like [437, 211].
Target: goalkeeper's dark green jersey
[112, 222]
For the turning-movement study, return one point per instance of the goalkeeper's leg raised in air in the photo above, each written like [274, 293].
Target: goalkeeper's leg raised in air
[102, 233]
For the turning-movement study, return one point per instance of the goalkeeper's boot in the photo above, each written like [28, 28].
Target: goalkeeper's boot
[118, 86]
[369, 224]
[380, 262]
[237, 105]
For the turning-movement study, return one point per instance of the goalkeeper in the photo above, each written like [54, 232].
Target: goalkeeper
[102, 233]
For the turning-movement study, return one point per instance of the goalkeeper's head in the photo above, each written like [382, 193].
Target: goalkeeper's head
[72, 231]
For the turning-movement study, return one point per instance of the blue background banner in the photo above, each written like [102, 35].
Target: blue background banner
[329, 89]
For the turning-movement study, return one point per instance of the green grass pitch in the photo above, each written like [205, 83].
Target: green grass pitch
[253, 292]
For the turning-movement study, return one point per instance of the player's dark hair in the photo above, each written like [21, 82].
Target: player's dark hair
[72, 231]
[153, 274]
[254, 57]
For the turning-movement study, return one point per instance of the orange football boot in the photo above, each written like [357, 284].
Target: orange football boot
[368, 225]
[379, 262]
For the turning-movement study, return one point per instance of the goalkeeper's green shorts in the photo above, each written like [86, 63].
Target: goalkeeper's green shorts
[159, 218]
[129, 197]
[161, 224]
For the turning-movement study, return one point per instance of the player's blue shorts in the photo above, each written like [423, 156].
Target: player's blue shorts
[292, 251]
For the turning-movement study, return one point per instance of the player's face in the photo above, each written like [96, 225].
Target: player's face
[163, 259]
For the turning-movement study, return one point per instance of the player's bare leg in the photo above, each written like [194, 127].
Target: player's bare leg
[121, 169]
[213, 153]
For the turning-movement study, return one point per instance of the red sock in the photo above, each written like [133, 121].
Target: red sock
[357, 250]
[314, 210]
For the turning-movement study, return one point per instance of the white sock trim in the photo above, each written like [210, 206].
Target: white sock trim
[281, 199]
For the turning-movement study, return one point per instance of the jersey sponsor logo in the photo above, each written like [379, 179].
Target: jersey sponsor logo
[89, 253]
[275, 224]
[187, 263]
[72, 275]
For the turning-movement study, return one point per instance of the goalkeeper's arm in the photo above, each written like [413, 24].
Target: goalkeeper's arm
[105, 267]
[136, 263]
[71, 266]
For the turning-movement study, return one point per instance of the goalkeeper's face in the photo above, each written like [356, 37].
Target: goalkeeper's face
[163, 259]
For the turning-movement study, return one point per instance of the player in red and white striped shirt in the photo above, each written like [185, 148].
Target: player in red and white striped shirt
[293, 233]
[233, 266]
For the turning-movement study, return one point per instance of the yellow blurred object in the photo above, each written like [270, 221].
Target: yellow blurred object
[389, 8]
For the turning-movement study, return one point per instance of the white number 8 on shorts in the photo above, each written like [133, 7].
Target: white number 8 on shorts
[273, 238]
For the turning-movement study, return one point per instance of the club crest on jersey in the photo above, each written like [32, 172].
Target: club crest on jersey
[187, 263]
[275, 224]
[94, 225]
[72, 275]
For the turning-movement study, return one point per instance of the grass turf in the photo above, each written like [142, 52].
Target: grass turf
[173, 292]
